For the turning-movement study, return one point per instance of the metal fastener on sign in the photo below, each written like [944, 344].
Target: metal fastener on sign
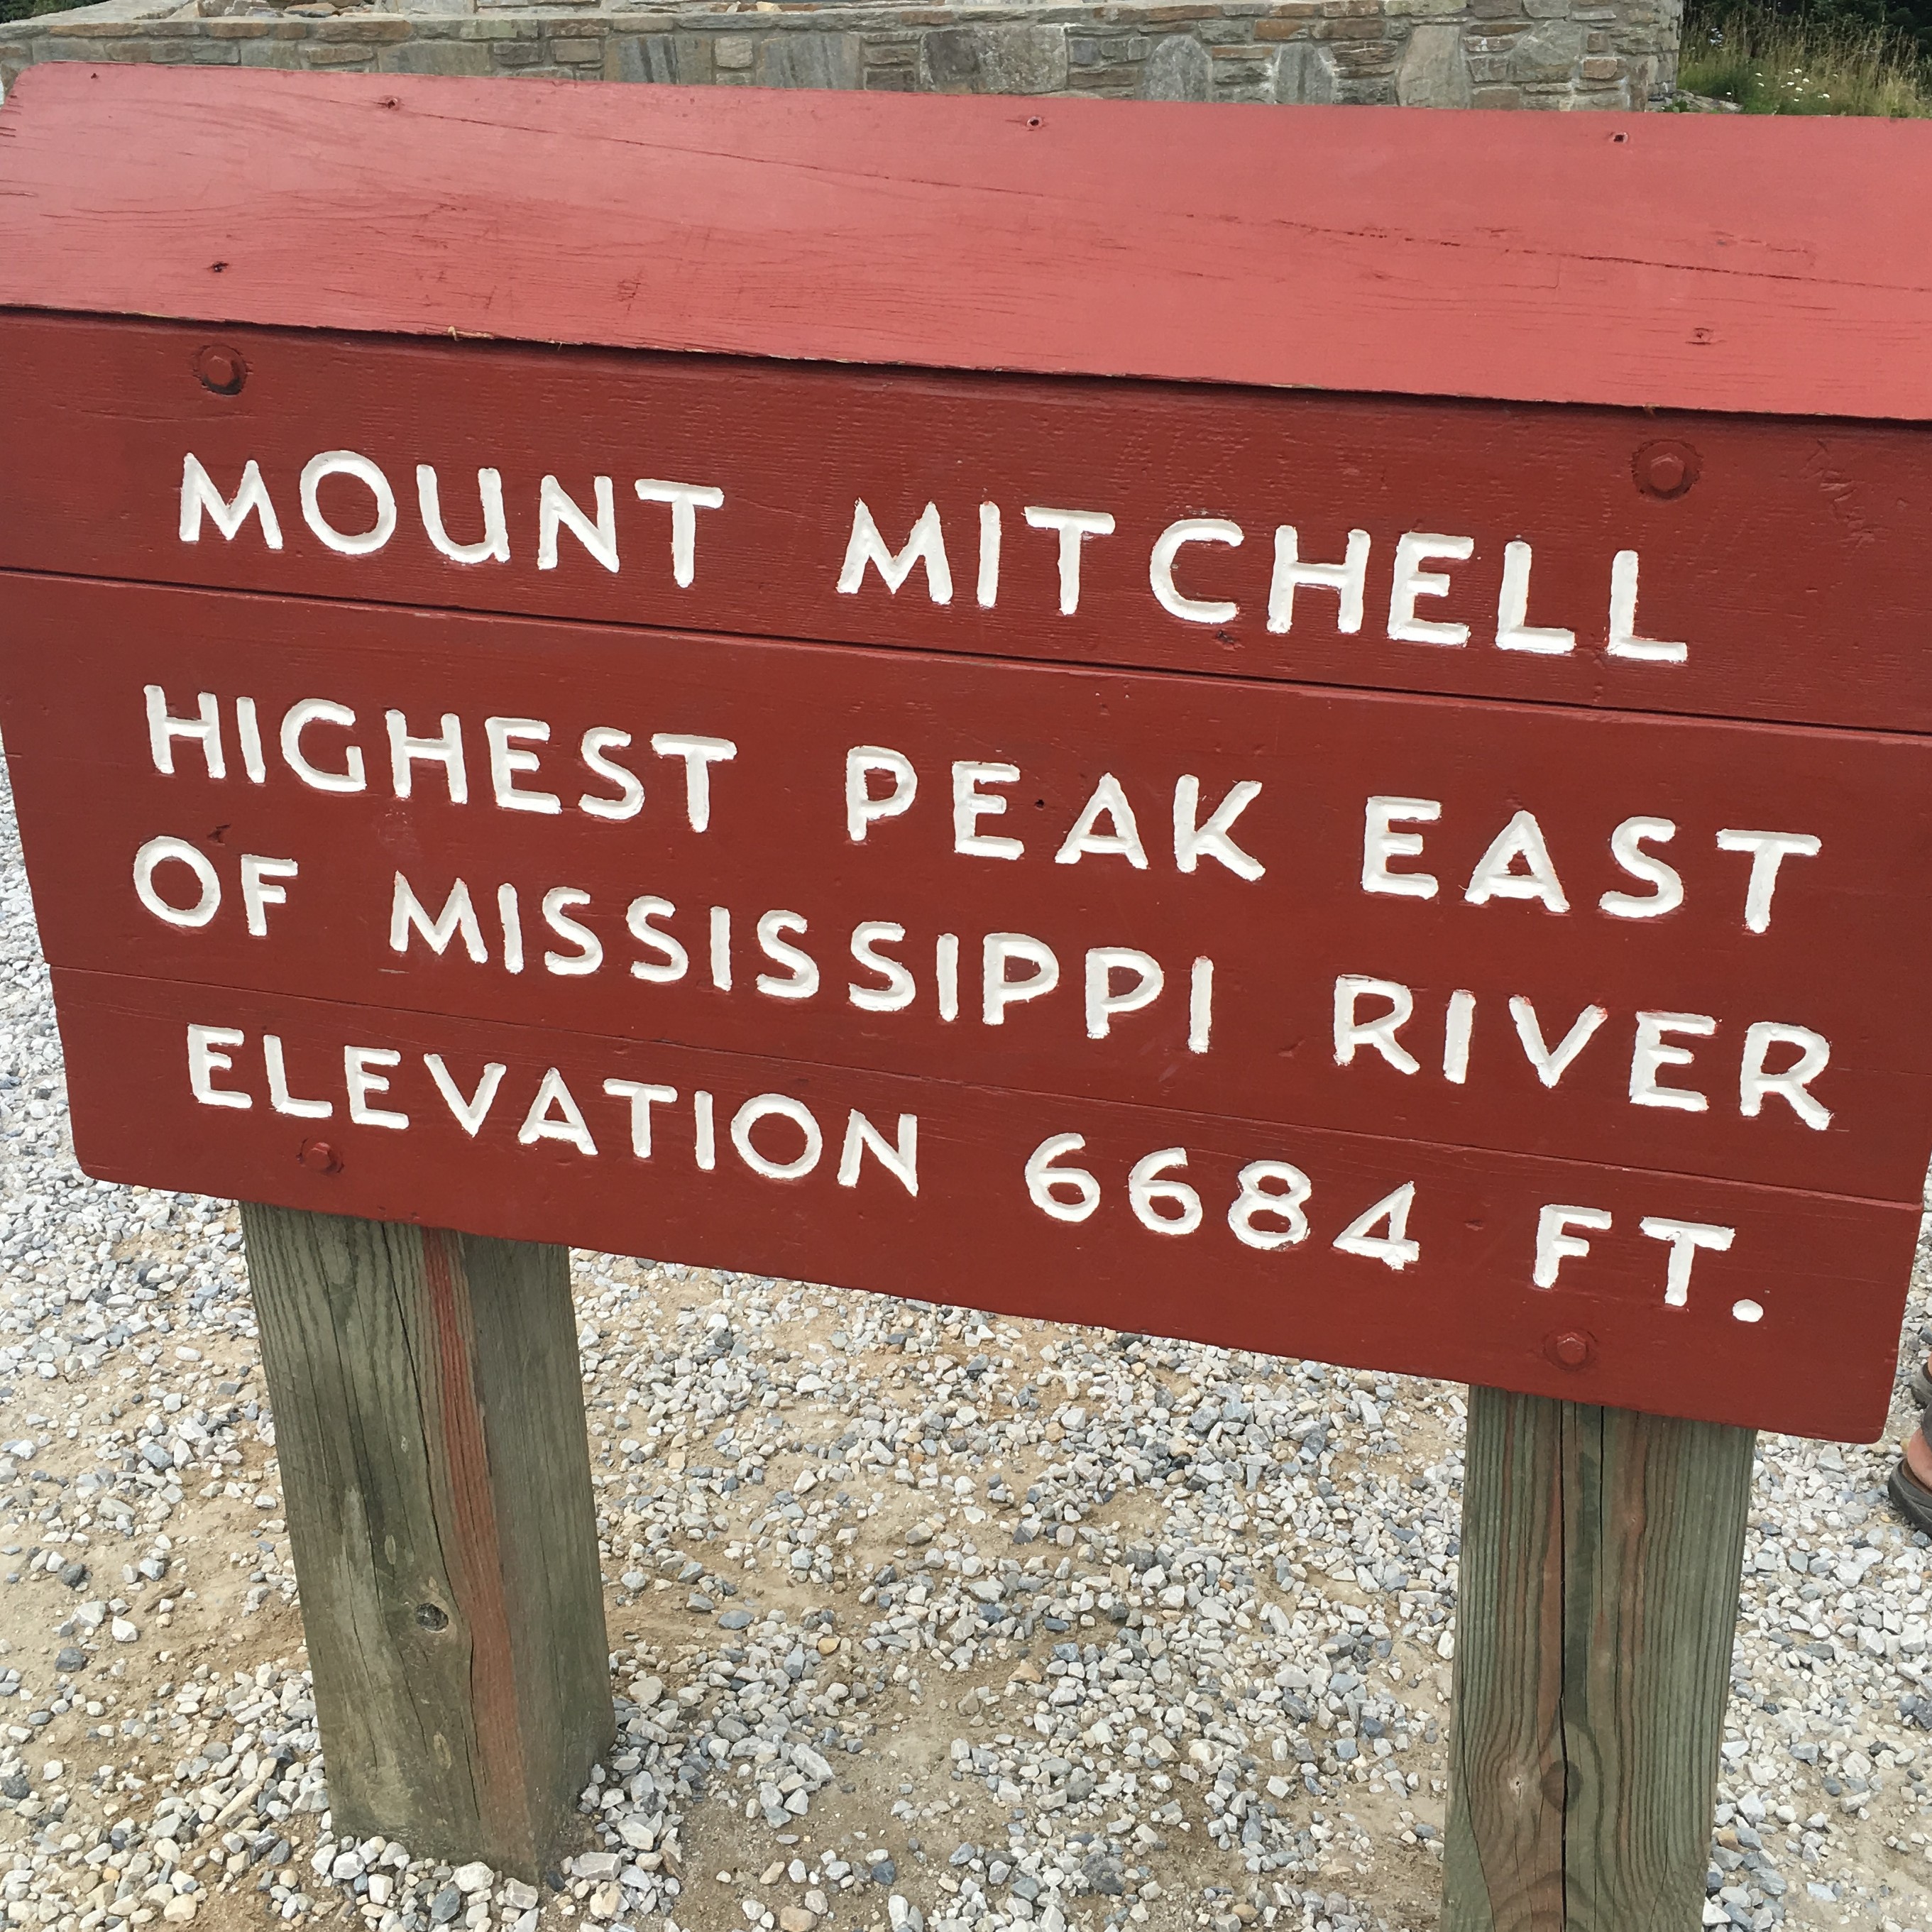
[1666, 470]
[320, 1158]
[222, 369]
[1572, 1349]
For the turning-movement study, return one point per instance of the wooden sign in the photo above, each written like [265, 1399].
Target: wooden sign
[1430, 877]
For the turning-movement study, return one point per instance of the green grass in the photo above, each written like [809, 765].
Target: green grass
[25, 9]
[1783, 64]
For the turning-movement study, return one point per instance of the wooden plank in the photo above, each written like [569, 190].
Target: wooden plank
[1544, 257]
[1598, 1590]
[1790, 566]
[436, 1471]
[1825, 1274]
[777, 843]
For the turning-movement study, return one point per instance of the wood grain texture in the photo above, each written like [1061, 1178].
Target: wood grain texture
[436, 1470]
[1544, 257]
[1601, 1555]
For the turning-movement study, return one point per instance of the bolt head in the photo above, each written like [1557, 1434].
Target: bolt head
[1665, 470]
[1571, 1349]
[320, 1158]
[223, 370]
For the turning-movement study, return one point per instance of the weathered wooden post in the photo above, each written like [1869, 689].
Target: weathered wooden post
[1597, 1598]
[1308, 730]
[429, 1419]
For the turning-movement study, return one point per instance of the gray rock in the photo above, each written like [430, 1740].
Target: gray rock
[1178, 69]
[994, 59]
[1434, 72]
[810, 60]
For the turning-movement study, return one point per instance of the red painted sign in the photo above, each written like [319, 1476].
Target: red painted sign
[1429, 885]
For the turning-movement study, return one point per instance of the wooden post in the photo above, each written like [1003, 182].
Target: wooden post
[1601, 1553]
[429, 1417]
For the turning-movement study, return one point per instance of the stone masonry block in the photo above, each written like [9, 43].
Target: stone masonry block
[1178, 69]
[447, 56]
[994, 60]
[1550, 53]
[277, 56]
[1433, 72]
[1356, 60]
[679, 60]
[362, 27]
[1305, 76]
[794, 59]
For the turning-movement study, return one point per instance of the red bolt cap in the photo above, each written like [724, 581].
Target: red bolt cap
[1666, 471]
[221, 369]
[320, 1158]
[1572, 1349]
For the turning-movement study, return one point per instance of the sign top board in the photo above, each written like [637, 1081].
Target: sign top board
[1123, 712]
[1654, 262]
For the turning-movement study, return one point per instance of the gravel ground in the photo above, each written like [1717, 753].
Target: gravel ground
[925, 1619]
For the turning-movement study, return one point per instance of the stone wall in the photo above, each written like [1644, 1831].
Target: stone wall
[1426, 53]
